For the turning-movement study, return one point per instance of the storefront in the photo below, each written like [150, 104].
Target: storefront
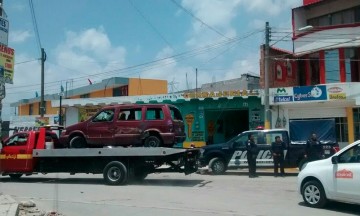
[209, 117]
[307, 109]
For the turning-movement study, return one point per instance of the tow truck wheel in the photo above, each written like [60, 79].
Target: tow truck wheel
[115, 173]
[313, 194]
[152, 141]
[77, 142]
[217, 166]
[15, 176]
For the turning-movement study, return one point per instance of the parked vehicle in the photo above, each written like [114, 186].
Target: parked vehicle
[336, 178]
[232, 154]
[32, 152]
[149, 125]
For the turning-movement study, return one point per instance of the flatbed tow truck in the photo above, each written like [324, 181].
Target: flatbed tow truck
[33, 152]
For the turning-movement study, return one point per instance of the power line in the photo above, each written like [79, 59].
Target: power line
[149, 23]
[198, 19]
[36, 30]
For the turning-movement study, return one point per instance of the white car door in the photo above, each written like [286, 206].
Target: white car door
[346, 175]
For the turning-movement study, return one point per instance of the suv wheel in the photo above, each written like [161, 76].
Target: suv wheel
[152, 141]
[217, 166]
[313, 194]
[77, 142]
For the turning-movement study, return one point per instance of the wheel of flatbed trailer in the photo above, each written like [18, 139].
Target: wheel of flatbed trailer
[115, 173]
[15, 176]
[78, 142]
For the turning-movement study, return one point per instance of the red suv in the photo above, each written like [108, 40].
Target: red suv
[149, 125]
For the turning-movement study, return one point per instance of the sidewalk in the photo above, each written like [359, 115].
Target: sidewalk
[8, 206]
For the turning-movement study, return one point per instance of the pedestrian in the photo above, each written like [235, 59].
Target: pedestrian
[277, 149]
[313, 150]
[252, 152]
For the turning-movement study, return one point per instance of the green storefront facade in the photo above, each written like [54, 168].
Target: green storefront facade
[216, 120]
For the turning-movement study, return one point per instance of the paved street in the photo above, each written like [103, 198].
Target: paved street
[168, 194]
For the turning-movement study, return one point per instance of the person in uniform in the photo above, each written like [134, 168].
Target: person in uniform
[313, 150]
[252, 152]
[277, 150]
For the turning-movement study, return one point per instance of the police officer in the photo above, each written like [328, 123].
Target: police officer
[277, 149]
[313, 150]
[252, 152]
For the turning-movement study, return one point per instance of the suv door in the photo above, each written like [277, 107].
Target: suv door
[178, 124]
[101, 128]
[130, 126]
[15, 154]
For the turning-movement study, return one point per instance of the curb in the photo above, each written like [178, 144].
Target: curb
[8, 206]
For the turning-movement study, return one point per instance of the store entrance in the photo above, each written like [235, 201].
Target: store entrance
[222, 125]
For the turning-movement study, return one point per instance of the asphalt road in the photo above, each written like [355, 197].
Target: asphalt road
[168, 194]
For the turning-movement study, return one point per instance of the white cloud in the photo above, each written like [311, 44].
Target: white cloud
[271, 7]
[257, 24]
[19, 36]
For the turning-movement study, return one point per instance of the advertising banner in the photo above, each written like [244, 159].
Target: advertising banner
[7, 56]
[282, 95]
[310, 93]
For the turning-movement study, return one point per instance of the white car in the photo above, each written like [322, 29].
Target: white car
[335, 178]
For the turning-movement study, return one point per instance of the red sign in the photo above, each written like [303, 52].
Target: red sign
[344, 174]
[308, 2]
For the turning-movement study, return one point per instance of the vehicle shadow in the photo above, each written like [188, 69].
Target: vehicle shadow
[245, 173]
[100, 181]
[339, 207]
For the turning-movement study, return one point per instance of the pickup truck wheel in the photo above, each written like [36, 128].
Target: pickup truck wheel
[15, 176]
[217, 166]
[115, 173]
[78, 142]
[152, 141]
[313, 194]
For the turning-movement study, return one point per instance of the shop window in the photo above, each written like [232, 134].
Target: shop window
[332, 68]
[342, 132]
[347, 16]
[352, 65]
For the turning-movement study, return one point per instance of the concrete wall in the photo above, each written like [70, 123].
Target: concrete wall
[147, 87]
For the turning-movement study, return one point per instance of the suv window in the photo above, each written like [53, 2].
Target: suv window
[175, 114]
[104, 116]
[352, 155]
[154, 114]
[262, 137]
[130, 115]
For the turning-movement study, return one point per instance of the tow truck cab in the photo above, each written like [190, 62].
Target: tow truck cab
[16, 154]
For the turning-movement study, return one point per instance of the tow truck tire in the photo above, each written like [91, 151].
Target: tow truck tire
[115, 173]
[15, 176]
[313, 194]
[78, 142]
[152, 141]
[217, 166]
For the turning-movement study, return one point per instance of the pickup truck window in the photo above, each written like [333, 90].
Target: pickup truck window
[352, 155]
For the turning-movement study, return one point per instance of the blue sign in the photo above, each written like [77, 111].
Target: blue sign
[282, 99]
[310, 93]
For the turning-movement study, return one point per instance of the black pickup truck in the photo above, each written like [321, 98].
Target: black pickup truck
[232, 154]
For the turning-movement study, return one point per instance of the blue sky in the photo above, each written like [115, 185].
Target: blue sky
[100, 39]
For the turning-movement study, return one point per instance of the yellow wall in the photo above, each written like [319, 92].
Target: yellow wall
[24, 109]
[102, 93]
[147, 86]
[51, 110]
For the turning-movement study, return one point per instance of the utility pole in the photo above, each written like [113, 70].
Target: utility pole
[2, 81]
[196, 82]
[42, 104]
[267, 116]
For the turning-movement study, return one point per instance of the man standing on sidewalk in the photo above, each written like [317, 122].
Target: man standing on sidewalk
[277, 149]
[252, 152]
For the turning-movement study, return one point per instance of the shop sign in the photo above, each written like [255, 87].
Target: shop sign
[310, 93]
[232, 93]
[197, 136]
[283, 95]
[336, 93]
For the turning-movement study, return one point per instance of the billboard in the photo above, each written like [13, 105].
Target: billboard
[7, 56]
[4, 31]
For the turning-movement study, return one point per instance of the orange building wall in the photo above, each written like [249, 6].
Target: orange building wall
[102, 93]
[24, 109]
[147, 86]
[51, 110]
